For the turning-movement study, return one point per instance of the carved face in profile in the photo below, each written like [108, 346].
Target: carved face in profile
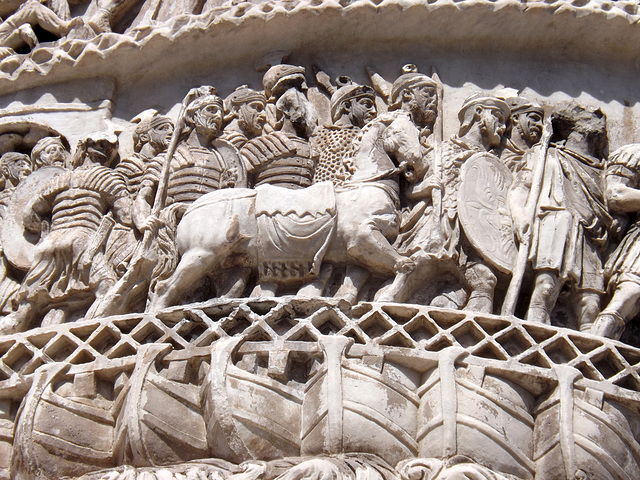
[421, 101]
[208, 118]
[54, 155]
[159, 136]
[492, 124]
[529, 124]
[251, 118]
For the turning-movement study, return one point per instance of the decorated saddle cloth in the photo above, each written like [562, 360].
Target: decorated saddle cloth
[295, 228]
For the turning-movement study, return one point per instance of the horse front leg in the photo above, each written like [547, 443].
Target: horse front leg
[354, 280]
[373, 251]
[193, 265]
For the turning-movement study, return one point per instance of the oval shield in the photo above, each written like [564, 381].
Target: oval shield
[483, 210]
[17, 243]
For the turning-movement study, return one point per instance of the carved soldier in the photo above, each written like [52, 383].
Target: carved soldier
[150, 138]
[436, 242]
[201, 164]
[527, 121]
[245, 116]
[69, 271]
[50, 152]
[623, 266]
[14, 168]
[571, 226]
[198, 166]
[352, 107]
[283, 157]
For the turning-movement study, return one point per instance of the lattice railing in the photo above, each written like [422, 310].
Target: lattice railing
[509, 344]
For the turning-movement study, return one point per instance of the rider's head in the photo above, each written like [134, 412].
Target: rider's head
[353, 104]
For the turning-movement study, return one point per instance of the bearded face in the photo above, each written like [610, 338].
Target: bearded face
[251, 118]
[422, 103]
[529, 125]
[17, 170]
[160, 136]
[492, 124]
[208, 119]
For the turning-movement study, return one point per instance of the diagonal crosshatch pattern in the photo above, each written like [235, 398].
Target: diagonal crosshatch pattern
[508, 344]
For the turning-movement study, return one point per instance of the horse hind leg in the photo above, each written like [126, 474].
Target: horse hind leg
[194, 264]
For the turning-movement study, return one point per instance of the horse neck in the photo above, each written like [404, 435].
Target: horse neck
[371, 160]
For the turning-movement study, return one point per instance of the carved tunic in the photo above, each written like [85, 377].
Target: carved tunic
[624, 263]
[571, 229]
[77, 200]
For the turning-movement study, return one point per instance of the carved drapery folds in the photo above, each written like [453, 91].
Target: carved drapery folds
[299, 276]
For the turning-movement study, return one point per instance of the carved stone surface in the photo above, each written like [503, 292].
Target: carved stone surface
[328, 265]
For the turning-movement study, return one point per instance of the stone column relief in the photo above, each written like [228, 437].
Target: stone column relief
[333, 264]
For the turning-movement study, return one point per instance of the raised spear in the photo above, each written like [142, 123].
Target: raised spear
[115, 301]
[530, 210]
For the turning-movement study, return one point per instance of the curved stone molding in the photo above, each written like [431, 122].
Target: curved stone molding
[439, 24]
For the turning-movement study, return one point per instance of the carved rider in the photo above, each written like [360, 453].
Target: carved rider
[69, 271]
[245, 116]
[436, 242]
[352, 107]
[283, 157]
[50, 152]
[623, 266]
[571, 226]
[201, 164]
[527, 121]
[198, 166]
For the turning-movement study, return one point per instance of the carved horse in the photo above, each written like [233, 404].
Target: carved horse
[223, 224]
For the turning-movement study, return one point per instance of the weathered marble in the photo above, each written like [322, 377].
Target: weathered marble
[368, 239]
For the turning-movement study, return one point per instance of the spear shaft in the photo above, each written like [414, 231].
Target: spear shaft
[530, 210]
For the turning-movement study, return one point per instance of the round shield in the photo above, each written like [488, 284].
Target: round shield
[483, 210]
[17, 243]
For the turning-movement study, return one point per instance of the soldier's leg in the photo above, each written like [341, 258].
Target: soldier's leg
[545, 294]
[624, 306]
[587, 309]
[264, 289]
[232, 282]
[482, 284]
[108, 13]
[18, 321]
